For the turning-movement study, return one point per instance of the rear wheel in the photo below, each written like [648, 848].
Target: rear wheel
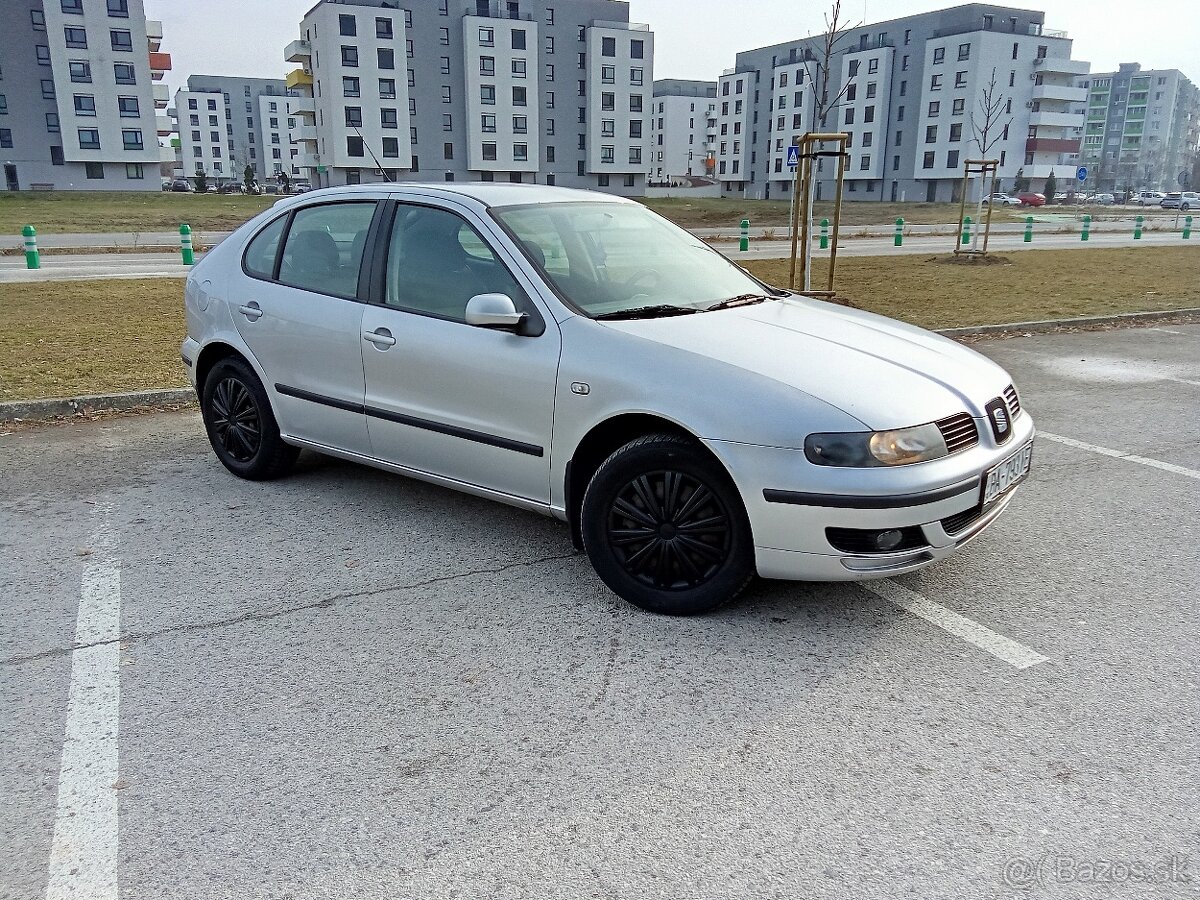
[665, 527]
[240, 425]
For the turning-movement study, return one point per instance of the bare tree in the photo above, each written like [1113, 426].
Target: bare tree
[818, 66]
[987, 129]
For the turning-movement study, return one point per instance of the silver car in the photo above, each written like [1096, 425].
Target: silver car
[574, 354]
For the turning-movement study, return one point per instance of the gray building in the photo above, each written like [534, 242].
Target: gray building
[80, 95]
[221, 127]
[547, 92]
[683, 129]
[1143, 128]
[913, 87]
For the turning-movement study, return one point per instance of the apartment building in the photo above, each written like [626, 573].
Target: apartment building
[224, 125]
[909, 92]
[1143, 128]
[80, 97]
[553, 92]
[683, 128]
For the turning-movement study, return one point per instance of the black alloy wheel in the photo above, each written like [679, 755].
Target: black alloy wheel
[240, 424]
[236, 421]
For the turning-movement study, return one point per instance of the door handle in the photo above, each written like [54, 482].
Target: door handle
[251, 310]
[380, 337]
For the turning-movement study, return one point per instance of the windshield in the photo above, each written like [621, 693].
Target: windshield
[607, 258]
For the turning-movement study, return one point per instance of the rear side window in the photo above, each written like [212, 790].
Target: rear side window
[324, 248]
[260, 255]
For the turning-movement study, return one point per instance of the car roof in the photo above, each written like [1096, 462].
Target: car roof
[486, 193]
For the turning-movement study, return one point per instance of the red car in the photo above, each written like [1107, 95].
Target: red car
[1029, 198]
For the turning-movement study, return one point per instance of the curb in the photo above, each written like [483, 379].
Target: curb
[65, 407]
[1080, 322]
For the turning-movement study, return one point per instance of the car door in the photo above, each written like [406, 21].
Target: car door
[472, 404]
[297, 309]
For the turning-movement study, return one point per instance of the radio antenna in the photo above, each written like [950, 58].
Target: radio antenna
[374, 158]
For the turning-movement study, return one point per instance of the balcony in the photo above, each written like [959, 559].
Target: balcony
[160, 65]
[1052, 145]
[154, 34]
[307, 133]
[1062, 65]
[298, 52]
[166, 154]
[162, 96]
[1055, 119]
[1062, 92]
[306, 160]
[164, 125]
[302, 106]
[298, 77]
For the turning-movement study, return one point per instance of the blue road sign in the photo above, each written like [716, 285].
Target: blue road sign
[793, 156]
[1081, 174]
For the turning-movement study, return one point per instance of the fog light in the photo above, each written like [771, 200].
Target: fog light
[889, 540]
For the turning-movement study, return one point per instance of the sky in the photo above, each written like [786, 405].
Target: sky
[693, 38]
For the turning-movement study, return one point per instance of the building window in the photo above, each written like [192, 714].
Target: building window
[602, 181]
[608, 128]
[871, 86]
[964, 53]
[132, 139]
[960, 106]
[487, 123]
[48, 88]
[76, 37]
[128, 107]
[869, 114]
[354, 146]
[125, 73]
[636, 77]
[350, 57]
[388, 118]
[387, 88]
[960, 79]
[635, 128]
[956, 133]
[85, 105]
[930, 134]
[873, 65]
[550, 153]
[520, 124]
[56, 157]
[518, 38]
[445, 65]
[74, 7]
[608, 46]
[391, 147]
[489, 151]
[487, 94]
[448, 150]
[850, 115]
[383, 29]
[952, 159]
[350, 86]
[935, 82]
[635, 103]
[927, 162]
[121, 41]
[550, 127]
[864, 164]
[487, 37]
[637, 48]
[521, 152]
[354, 117]
[939, 55]
[412, 136]
[518, 68]
[487, 66]
[89, 139]
[412, 78]
[6, 140]
[608, 154]
[935, 107]
[347, 26]
[444, 36]
[447, 122]
[635, 155]
[93, 170]
[386, 58]
[519, 95]
[43, 54]
[549, 71]
[608, 74]
[81, 71]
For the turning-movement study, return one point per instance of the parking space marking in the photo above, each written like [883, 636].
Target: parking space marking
[1118, 454]
[83, 855]
[1004, 648]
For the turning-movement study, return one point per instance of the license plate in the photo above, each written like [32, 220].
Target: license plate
[1002, 478]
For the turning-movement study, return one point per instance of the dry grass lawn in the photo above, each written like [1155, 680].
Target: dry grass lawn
[63, 338]
[71, 212]
[1037, 284]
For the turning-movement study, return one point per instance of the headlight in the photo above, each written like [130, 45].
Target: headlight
[876, 448]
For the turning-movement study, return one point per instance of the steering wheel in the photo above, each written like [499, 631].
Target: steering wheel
[651, 277]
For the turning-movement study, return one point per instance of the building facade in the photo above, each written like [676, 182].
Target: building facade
[1143, 128]
[80, 97]
[683, 129]
[552, 92]
[225, 124]
[911, 93]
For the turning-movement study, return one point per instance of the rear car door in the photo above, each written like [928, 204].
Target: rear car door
[472, 404]
[298, 310]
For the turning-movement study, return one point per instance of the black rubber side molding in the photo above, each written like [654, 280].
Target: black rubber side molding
[888, 501]
[479, 437]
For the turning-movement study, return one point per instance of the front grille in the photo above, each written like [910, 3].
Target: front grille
[1012, 401]
[857, 540]
[959, 432]
[961, 521]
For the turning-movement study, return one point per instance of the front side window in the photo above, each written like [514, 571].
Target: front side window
[324, 248]
[437, 262]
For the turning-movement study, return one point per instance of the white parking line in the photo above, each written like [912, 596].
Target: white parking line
[1118, 454]
[1001, 647]
[83, 856]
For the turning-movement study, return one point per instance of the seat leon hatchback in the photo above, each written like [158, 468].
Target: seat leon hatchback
[575, 354]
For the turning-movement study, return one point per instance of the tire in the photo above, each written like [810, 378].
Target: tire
[240, 424]
[636, 512]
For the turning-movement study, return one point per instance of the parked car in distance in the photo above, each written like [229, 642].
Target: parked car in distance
[1101, 199]
[1183, 200]
[181, 186]
[575, 354]
[300, 186]
[166, 184]
[1147, 198]
[1001, 200]
[233, 187]
[1029, 198]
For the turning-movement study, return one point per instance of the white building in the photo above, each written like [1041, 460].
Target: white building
[683, 130]
[277, 139]
[223, 125]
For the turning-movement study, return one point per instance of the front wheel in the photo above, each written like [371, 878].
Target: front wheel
[665, 527]
[240, 425]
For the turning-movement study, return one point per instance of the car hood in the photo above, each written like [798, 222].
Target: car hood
[882, 372]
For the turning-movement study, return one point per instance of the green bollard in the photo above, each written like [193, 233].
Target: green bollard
[744, 244]
[185, 245]
[33, 259]
[824, 234]
[1087, 228]
[1187, 228]
[899, 239]
[1029, 229]
[1137, 227]
[966, 233]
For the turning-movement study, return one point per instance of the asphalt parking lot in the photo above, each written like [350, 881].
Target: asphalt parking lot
[349, 684]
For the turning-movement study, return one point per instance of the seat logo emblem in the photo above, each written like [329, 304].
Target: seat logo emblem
[1000, 417]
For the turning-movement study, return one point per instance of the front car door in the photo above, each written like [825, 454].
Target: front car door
[297, 309]
[470, 404]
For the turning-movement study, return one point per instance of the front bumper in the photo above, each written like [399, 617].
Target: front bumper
[791, 503]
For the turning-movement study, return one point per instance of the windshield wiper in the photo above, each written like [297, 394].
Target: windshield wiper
[648, 312]
[739, 300]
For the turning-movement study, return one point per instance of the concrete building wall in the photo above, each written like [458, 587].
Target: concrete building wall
[682, 129]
